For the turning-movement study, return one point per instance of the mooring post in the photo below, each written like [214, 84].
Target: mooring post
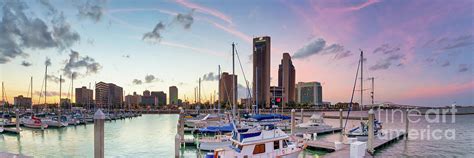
[340, 125]
[99, 118]
[340, 119]
[406, 122]
[17, 113]
[301, 121]
[176, 145]
[181, 126]
[292, 121]
[370, 147]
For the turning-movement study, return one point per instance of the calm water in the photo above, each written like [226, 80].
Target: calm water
[153, 136]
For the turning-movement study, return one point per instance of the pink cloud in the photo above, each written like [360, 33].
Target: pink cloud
[206, 10]
[232, 31]
[438, 90]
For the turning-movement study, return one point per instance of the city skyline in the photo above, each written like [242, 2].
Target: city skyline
[420, 52]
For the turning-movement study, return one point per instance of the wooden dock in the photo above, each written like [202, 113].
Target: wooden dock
[11, 130]
[320, 132]
[345, 150]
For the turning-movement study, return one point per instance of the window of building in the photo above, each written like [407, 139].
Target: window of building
[276, 145]
[259, 148]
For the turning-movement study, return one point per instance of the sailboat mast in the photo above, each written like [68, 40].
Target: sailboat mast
[219, 90]
[31, 92]
[361, 80]
[233, 82]
[60, 88]
[46, 82]
[372, 93]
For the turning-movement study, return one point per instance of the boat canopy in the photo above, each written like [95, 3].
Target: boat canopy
[261, 117]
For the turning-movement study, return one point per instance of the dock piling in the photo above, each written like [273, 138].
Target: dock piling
[301, 121]
[292, 121]
[99, 118]
[17, 114]
[406, 122]
[370, 147]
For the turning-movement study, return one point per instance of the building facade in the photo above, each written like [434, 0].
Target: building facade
[226, 89]
[133, 100]
[261, 71]
[276, 95]
[84, 96]
[108, 94]
[161, 97]
[286, 79]
[173, 91]
[309, 93]
[22, 101]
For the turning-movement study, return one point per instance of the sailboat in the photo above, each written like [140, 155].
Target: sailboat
[361, 131]
[33, 122]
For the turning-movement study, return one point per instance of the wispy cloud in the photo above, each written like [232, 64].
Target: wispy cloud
[78, 65]
[319, 46]
[25, 63]
[387, 62]
[463, 68]
[386, 49]
[147, 79]
[438, 90]
[210, 77]
[201, 50]
[91, 9]
[206, 10]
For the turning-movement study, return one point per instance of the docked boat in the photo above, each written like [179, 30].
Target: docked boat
[362, 130]
[33, 122]
[6, 121]
[315, 123]
[265, 141]
[212, 143]
[208, 120]
[55, 121]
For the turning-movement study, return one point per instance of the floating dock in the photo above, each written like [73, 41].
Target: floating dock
[345, 150]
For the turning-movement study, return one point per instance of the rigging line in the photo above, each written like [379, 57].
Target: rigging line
[352, 97]
[245, 78]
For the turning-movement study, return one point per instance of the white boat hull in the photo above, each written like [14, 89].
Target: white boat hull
[211, 146]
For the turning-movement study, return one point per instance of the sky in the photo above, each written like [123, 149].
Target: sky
[419, 52]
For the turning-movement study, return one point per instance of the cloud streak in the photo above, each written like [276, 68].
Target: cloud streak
[387, 62]
[210, 77]
[319, 46]
[206, 10]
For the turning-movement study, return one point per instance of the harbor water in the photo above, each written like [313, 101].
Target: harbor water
[153, 136]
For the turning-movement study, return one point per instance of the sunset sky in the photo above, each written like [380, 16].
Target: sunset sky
[420, 52]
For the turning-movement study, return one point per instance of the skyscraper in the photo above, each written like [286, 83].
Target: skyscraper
[108, 94]
[226, 89]
[161, 97]
[261, 71]
[286, 79]
[310, 93]
[84, 96]
[173, 95]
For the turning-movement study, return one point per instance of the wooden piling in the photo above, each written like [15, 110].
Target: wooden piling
[99, 118]
[302, 116]
[407, 122]
[17, 113]
[370, 147]
[293, 121]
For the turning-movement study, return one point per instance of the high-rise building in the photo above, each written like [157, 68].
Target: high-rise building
[173, 91]
[286, 79]
[146, 93]
[108, 94]
[226, 89]
[133, 100]
[22, 101]
[84, 96]
[310, 93]
[261, 71]
[161, 97]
